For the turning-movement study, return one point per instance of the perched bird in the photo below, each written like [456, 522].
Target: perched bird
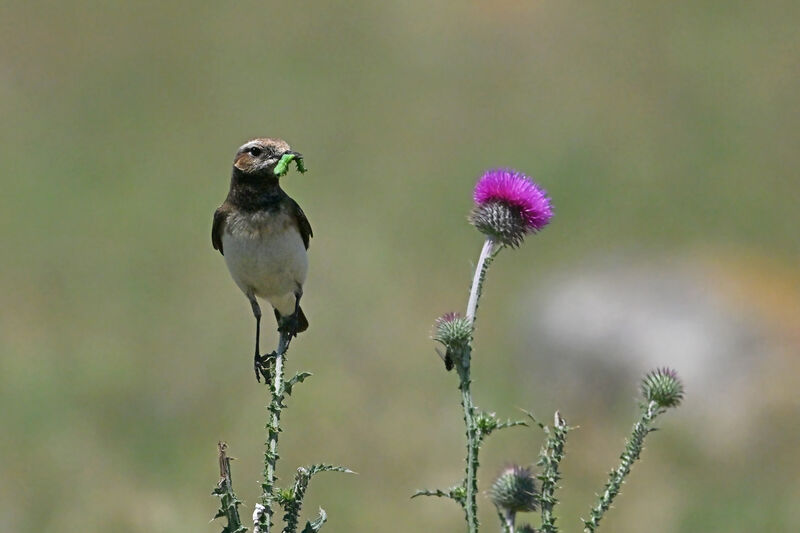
[263, 235]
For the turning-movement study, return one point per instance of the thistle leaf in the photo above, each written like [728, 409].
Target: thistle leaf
[297, 378]
[316, 525]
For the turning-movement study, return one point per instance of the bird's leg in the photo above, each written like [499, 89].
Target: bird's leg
[260, 363]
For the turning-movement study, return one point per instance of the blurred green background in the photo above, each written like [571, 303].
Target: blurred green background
[666, 134]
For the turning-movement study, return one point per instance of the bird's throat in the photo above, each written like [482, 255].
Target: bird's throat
[254, 191]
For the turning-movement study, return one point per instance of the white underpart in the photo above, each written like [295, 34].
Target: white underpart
[267, 258]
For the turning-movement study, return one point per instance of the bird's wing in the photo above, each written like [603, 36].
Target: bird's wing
[220, 217]
[302, 222]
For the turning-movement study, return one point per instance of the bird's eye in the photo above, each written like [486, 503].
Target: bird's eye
[255, 151]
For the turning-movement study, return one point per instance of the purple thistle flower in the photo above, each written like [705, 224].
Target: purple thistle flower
[509, 205]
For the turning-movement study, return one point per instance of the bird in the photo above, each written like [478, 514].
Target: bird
[264, 235]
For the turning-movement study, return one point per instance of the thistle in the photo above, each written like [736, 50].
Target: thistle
[455, 334]
[514, 491]
[290, 499]
[663, 387]
[508, 206]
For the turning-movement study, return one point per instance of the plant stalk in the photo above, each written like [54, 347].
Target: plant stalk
[471, 481]
[229, 504]
[263, 521]
[550, 459]
[488, 253]
[633, 448]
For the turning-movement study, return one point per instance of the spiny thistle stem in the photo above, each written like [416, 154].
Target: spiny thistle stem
[488, 253]
[633, 448]
[262, 518]
[229, 504]
[473, 444]
[550, 459]
[507, 522]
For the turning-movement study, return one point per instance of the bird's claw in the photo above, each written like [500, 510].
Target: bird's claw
[261, 366]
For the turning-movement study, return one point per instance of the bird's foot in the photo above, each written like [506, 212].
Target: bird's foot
[261, 366]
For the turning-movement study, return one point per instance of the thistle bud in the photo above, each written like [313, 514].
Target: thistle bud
[663, 386]
[455, 333]
[514, 491]
[453, 330]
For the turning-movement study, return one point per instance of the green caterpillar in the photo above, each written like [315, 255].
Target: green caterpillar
[283, 165]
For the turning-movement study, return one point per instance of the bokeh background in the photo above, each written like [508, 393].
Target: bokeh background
[666, 134]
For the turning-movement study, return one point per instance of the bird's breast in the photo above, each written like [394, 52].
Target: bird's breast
[265, 253]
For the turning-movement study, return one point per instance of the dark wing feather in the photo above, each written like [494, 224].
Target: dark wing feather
[220, 217]
[302, 222]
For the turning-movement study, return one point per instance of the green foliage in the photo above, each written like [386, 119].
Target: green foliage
[549, 459]
[630, 454]
[297, 378]
[292, 500]
[289, 498]
[456, 493]
[316, 524]
[487, 423]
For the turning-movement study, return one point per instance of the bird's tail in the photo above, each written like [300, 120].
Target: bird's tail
[302, 321]
[301, 324]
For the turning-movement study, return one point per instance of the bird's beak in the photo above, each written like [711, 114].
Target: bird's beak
[297, 155]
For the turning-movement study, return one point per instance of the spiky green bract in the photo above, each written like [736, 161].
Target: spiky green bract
[663, 386]
[550, 457]
[291, 499]
[501, 222]
[514, 490]
[453, 331]
[229, 503]
[662, 389]
[455, 334]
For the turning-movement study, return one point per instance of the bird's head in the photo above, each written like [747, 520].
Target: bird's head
[265, 157]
